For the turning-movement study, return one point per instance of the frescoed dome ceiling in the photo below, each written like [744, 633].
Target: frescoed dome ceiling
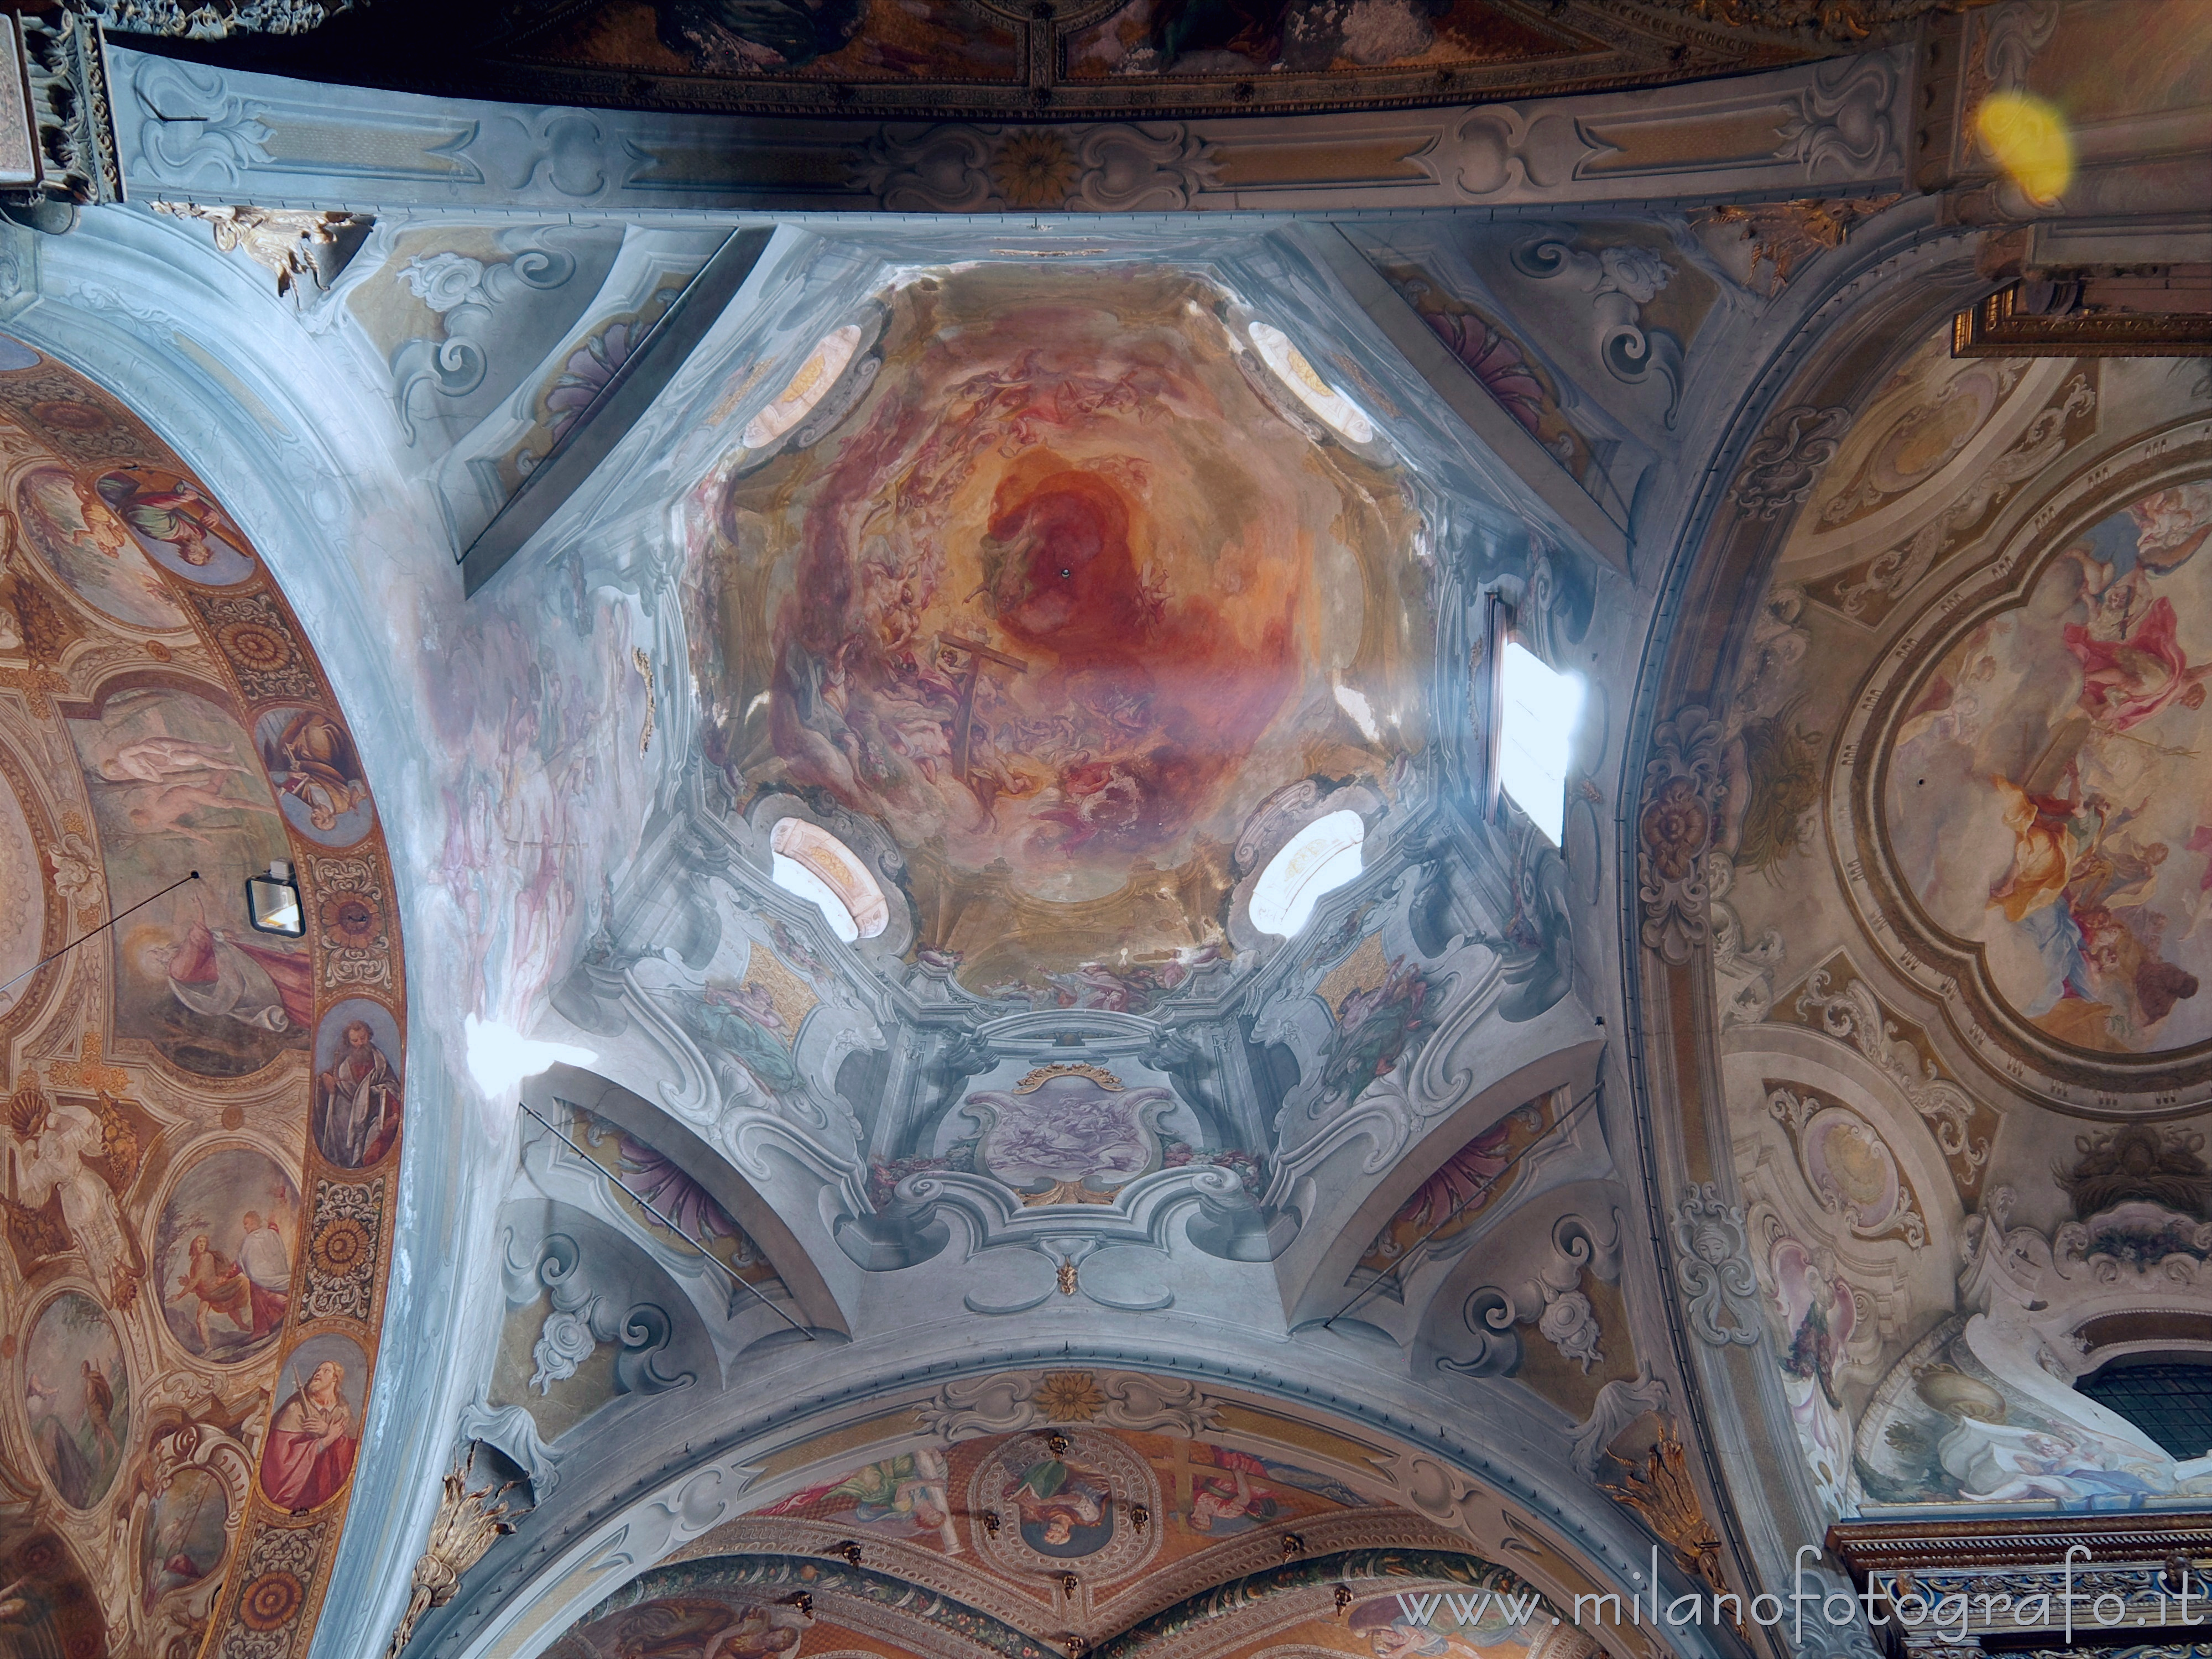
[1074, 588]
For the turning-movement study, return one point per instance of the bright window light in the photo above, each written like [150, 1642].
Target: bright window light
[809, 862]
[500, 1057]
[1320, 859]
[1538, 707]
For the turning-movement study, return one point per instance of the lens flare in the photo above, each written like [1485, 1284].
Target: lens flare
[2028, 138]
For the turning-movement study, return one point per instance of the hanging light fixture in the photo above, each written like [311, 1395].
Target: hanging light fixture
[272, 901]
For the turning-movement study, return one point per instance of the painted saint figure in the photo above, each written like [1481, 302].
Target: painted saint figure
[312, 1442]
[358, 1101]
[219, 1287]
[315, 755]
[262, 1256]
[215, 974]
[180, 515]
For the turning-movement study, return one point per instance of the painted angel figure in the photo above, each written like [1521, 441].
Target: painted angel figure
[57, 1151]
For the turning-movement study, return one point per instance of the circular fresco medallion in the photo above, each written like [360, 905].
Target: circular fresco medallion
[1845, 1160]
[1066, 1508]
[2025, 780]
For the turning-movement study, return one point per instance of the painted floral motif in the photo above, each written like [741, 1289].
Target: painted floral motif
[1675, 828]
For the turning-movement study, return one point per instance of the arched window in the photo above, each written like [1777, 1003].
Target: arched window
[1320, 859]
[811, 863]
[1537, 709]
[804, 389]
[2169, 1399]
[1342, 415]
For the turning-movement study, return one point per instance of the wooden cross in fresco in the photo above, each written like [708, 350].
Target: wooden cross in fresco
[977, 653]
[1177, 1474]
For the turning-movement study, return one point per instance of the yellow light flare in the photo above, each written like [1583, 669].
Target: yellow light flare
[2029, 139]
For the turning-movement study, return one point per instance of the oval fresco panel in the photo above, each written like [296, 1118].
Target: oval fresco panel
[1067, 1508]
[175, 786]
[316, 1433]
[357, 1084]
[76, 532]
[317, 771]
[76, 1396]
[22, 904]
[181, 530]
[224, 1250]
[2046, 797]
[182, 1539]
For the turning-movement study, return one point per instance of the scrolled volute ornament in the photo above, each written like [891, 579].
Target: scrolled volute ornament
[1713, 1269]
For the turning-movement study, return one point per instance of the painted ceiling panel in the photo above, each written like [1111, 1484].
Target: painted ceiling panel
[1963, 729]
[978, 57]
[202, 1122]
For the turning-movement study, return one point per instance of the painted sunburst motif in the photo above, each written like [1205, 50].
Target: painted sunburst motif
[1068, 1397]
[1034, 169]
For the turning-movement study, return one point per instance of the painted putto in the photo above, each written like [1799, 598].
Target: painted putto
[2047, 785]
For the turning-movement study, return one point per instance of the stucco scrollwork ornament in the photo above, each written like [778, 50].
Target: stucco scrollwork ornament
[1843, 121]
[1854, 1014]
[287, 244]
[1713, 1270]
[1005, 1402]
[467, 294]
[2002, 1267]
[1849, 1640]
[466, 1525]
[1619, 281]
[1550, 1299]
[581, 1317]
[1849, 1168]
[1156, 166]
[1684, 787]
[1781, 468]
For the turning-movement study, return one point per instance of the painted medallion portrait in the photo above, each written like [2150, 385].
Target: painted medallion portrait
[311, 759]
[76, 1396]
[358, 1094]
[224, 1250]
[1064, 1502]
[178, 526]
[315, 1435]
[75, 530]
[2048, 791]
